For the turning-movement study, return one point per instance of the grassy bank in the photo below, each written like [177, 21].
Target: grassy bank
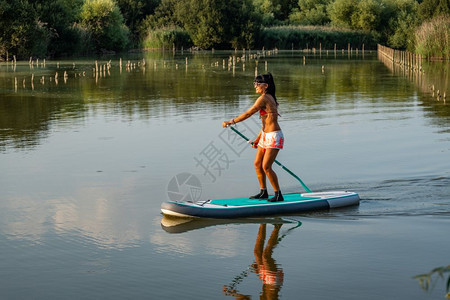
[281, 37]
[302, 37]
[166, 38]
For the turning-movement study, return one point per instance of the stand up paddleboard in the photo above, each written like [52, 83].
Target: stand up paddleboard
[245, 207]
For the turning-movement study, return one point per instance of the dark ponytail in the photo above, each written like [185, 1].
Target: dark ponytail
[271, 88]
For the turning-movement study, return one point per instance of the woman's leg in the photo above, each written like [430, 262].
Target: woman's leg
[259, 167]
[268, 159]
[261, 175]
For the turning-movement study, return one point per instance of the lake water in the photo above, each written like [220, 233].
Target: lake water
[87, 160]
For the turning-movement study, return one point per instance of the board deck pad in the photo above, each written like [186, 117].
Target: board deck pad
[246, 201]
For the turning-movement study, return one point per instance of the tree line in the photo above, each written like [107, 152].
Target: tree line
[42, 28]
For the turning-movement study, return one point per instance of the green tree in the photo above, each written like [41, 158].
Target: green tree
[135, 12]
[367, 16]
[216, 23]
[432, 8]
[401, 23]
[245, 31]
[310, 12]
[59, 17]
[284, 9]
[102, 18]
[163, 17]
[22, 33]
[341, 12]
[267, 11]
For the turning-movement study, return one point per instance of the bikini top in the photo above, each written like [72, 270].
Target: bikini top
[262, 112]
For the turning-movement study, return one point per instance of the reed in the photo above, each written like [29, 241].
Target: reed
[433, 38]
[311, 37]
[166, 37]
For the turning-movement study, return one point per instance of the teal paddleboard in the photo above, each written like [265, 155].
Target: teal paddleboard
[245, 207]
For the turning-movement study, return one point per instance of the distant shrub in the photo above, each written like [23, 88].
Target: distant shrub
[102, 18]
[166, 37]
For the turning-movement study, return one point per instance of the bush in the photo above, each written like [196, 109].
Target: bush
[102, 18]
[433, 38]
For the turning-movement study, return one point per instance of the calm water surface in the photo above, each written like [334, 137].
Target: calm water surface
[86, 162]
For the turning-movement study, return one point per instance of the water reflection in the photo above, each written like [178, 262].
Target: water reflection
[433, 81]
[265, 266]
[161, 89]
[93, 216]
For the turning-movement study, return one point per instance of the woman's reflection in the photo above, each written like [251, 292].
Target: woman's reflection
[264, 266]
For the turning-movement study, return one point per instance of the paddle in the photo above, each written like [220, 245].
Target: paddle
[276, 161]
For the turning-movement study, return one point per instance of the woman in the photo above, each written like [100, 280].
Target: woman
[269, 140]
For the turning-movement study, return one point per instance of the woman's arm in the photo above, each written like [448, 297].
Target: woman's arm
[245, 115]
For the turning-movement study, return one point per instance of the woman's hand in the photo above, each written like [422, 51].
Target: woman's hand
[228, 123]
[254, 144]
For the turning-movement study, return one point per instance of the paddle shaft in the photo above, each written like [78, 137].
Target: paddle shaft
[276, 161]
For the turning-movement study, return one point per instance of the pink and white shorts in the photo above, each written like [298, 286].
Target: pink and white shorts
[274, 139]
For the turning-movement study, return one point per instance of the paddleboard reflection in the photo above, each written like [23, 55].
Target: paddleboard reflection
[180, 225]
